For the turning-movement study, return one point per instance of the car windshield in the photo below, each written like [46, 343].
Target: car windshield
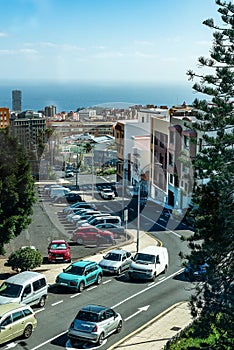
[113, 257]
[10, 290]
[58, 246]
[145, 257]
[87, 316]
[74, 270]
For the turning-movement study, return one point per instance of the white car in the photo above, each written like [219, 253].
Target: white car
[107, 193]
[116, 261]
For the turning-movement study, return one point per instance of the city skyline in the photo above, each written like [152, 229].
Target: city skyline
[151, 41]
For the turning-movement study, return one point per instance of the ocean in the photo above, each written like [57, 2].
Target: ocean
[68, 96]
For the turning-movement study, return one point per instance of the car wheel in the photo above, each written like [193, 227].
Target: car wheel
[99, 279]
[79, 241]
[27, 332]
[119, 327]
[81, 287]
[42, 302]
[100, 339]
[73, 342]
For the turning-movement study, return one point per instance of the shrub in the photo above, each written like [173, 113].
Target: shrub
[25, 259]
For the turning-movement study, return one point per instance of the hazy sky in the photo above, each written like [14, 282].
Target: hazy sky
[123, 40]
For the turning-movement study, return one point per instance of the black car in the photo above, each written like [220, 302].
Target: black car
[73, 197]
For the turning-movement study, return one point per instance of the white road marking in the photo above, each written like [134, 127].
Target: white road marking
[49, 340]
[140, 309]
[74, 295]
[106, 282]
[36, 312]
[91, 288]
[58, 302]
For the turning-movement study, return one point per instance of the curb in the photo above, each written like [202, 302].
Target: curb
[149, 323]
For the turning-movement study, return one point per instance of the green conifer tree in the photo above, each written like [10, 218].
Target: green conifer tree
[213, 239]
[16, 189]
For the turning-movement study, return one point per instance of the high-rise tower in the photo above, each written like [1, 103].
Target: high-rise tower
[17, 100]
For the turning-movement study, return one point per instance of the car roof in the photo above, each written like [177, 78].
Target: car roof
[118, 251]
[10, 306]
[58, 241]
[94, 308]
[83, 263]
[23, 277]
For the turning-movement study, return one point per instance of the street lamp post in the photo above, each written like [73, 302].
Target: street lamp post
[77, 171]
[138, 215]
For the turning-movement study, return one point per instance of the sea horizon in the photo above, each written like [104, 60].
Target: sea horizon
[71, 95]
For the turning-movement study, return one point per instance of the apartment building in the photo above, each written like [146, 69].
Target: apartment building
[28, 127]
[4, 117]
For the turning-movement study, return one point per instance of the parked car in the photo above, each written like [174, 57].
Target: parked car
[116, 261]
[58, 191]
[77, 217]
[94, 323]
[91, 234]
[79, 275]
[148, 263]
[59, 250]
[77, 206]
[70, 197]
[89, 218]
[103, 220]
[78, 212]
[107, 193]
[16, 320]
[27, 287]
[117, 230]
[197, 272]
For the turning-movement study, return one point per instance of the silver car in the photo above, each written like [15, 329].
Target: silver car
[94, 323]
[116, 261]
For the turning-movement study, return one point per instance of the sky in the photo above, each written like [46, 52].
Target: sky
[103, 40]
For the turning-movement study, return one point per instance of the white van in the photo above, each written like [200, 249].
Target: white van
[149, 263]
[28, 287]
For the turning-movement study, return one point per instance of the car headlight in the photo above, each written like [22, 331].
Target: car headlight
[73, 283]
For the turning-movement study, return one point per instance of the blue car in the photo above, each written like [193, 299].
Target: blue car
[80, 275]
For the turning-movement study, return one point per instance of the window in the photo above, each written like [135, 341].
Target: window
[7, 321]
[27, 290]
[143, 119]
[27, 312]
[171, 178]
[162, 141]
[109, 313]
[17, 315]
[186, 142]
[171, 159]
[172, 137]
[39, 284]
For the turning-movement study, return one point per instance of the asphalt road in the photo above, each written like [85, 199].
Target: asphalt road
[137, 302]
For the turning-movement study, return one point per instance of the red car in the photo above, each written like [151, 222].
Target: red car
[59, 250]
[92, 234]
